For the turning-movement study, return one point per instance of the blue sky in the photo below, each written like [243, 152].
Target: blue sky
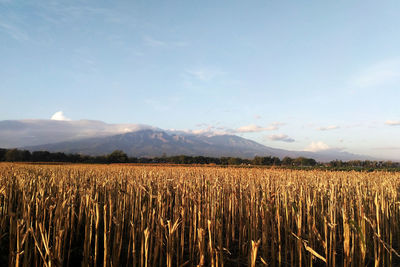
[299, 75]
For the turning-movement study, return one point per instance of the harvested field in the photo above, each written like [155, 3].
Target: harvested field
[116, 215]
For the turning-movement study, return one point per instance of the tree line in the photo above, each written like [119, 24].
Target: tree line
[118, 156]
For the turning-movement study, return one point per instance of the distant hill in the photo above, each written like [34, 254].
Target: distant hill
[99, 138]
[151, 143]
[20, 133]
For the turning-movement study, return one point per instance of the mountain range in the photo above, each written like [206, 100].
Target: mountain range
[99, 138]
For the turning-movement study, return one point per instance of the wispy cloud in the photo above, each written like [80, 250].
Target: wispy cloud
[281, 137]
[278, 124]
[153, 42]
[392, 123]
[59, 116]
[327, 128]
[382, 73]
[180, 43]
[220, 130]
[205, 74]
[253, 128]
[387, 148]
[14, 31]
[163, 106]
[66, 11]
[209, 130]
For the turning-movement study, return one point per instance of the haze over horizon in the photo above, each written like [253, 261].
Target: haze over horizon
[298, 76]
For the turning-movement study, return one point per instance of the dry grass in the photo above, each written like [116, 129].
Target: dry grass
[96, 215]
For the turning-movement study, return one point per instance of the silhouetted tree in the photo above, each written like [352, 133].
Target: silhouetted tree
[2, 153]
[117, 156]
[287, 161]
[17, 155]
[41, 156]
[276, 161]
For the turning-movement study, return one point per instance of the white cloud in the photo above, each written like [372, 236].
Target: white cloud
[281, 137]
[212, 130]
[59, 116]
[317, 146]
[327, 128]
[392, 123]
[209, 131]
[382, 73]
[252, 128]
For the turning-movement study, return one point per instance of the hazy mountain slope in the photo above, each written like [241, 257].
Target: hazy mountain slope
[151, 143]
[97, 138]
[21, 133]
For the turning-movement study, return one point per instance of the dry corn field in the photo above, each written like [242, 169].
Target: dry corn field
[98, 215]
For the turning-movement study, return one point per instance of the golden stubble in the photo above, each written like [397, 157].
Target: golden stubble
[122, 215]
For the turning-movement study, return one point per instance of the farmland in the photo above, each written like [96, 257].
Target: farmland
[117, 215]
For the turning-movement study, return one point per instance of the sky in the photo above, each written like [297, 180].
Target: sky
[297, 75]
